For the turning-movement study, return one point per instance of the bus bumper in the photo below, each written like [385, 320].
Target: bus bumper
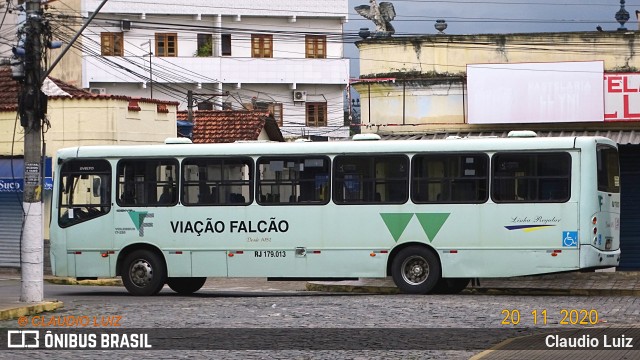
[592, 257]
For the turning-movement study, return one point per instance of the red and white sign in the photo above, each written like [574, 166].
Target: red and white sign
[622, 97]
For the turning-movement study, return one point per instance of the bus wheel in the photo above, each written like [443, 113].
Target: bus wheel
[143, 273]
[186, 285]
[451, 285]
[415, 270]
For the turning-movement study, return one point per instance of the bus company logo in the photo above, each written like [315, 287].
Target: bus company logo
[527, 224]
[139, 220]
[23, 339]
[431, 223]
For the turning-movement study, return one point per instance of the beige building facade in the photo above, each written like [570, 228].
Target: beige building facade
[95, 120]
[418, 84]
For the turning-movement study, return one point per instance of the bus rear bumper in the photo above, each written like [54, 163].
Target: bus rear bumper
[592, 257]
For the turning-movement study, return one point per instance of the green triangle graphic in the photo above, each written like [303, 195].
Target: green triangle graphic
[135, 217]
[432, 223]
[396, 223]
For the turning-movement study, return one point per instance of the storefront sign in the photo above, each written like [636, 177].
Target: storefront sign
[622, 97]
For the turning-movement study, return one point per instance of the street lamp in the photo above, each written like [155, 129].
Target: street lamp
[148, 42]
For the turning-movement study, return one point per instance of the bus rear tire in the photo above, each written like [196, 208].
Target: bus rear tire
[415, 270]
[186, 285]
[143, 273]
[451, 285]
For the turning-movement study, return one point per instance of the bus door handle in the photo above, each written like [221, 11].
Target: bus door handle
[301, 252]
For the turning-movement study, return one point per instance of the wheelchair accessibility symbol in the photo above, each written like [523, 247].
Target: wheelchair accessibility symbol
[569, 238]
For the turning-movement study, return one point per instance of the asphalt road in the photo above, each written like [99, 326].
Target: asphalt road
[229, 311]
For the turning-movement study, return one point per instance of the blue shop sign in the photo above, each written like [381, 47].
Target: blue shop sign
[12, 172]
[17, 185]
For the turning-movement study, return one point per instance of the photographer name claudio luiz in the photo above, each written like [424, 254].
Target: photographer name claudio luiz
[587, 341]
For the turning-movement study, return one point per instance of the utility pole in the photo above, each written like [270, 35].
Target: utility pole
[27, 68]
[32, 106]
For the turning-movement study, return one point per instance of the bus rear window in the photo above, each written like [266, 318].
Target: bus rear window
[608, 169]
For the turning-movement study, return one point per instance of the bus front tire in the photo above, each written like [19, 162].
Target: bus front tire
[415, 270]
[186, 285]
[143, 273]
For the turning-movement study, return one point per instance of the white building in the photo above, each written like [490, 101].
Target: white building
[283, 55]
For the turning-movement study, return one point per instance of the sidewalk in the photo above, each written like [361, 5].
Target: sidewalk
[10, 305]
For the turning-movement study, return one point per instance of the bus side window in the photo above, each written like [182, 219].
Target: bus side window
[531, 177]
[216, 181]
[293, 180]
[147, 182]
[450, 178]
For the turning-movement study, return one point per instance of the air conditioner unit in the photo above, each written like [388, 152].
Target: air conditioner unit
[125, 25]
[299, 95]
[98, 91]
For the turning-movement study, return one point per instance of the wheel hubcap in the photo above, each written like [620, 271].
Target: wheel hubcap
[141, 273]
[415, 270]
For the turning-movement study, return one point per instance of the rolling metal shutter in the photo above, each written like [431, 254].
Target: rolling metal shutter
[10, 228]
[630, 207]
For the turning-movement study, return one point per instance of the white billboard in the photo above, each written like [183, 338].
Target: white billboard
[535, 92]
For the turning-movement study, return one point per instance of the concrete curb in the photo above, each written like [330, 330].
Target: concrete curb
[360, 289]
[552, 292]
[72, 281]
[14, 313]
[387, 290]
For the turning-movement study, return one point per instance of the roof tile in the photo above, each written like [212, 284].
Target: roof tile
[213, 126]
[10, 88]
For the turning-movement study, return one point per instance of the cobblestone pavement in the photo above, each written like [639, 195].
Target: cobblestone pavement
[225, 303]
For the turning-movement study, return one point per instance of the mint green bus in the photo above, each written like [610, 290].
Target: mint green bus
[430, 214]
